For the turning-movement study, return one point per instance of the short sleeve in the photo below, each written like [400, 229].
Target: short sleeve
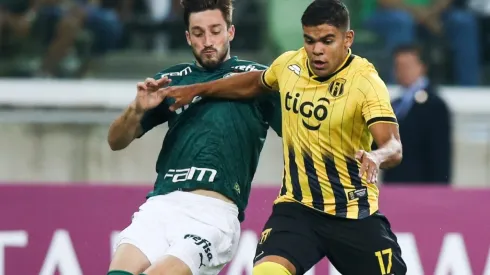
[155, 116]
[270, 77]
[375, 99]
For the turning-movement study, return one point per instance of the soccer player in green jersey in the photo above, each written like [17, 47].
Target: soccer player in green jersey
[190, 223]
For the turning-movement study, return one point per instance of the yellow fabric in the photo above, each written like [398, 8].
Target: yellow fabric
[269, 268]
[325, 121]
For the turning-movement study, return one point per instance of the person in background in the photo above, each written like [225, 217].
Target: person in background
[56, 25]
[425, 124]
[398, 21]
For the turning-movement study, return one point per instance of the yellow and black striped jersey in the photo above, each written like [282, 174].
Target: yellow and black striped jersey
[325, 121]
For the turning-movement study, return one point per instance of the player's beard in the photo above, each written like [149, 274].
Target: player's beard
[211, 64]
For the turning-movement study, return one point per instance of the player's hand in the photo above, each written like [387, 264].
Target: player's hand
[148, 96]
[369, 165]
[183, 95]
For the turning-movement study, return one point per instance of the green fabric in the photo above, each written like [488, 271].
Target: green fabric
[369, 6]
[212, 144]
[119, 272]
[285, 23]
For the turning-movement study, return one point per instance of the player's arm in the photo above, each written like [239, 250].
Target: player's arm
[125, 128]
[145, 112]
[239, 86]
[245, 85]
[381, 121]
[387, 138]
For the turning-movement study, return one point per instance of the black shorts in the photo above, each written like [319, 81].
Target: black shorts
[304, 236]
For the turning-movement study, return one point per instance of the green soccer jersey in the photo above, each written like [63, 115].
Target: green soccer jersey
[212, 144]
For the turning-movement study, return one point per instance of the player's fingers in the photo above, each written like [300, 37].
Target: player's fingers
[359, 155]
[363, 169]
[141, 86]
[163, 92]
[163, 81]
[372, 173]
[375, 176]
[151, 83]
[175, 106]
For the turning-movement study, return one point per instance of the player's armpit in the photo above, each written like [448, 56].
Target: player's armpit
[387, 138]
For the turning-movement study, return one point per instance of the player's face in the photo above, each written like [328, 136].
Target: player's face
[327, 47]
[209, 37]
[408, 68]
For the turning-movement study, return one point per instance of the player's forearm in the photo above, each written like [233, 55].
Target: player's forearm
[125, 129]
[390, 154]
[243, 85]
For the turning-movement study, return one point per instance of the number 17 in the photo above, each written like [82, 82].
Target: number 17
[379, 254]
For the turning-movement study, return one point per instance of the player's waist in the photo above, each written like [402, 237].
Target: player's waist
[211, 194]
[212, 186]
[344, 207]
[198, 197]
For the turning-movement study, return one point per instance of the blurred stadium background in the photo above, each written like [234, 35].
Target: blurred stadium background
[68, 68]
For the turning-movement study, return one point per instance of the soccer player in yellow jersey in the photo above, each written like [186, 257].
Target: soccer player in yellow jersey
[333, 105]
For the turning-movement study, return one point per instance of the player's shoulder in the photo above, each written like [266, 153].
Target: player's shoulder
[178, 70]
[242, 65]
[289, 57]
[362, 71]
[361, 65]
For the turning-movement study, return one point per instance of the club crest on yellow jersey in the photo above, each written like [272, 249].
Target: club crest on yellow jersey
[336, 88]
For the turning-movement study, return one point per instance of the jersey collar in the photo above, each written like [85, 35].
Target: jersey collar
[346, 63]
[223, 65]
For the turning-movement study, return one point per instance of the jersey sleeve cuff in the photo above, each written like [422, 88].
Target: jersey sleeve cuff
[264, 82]
[382, 119]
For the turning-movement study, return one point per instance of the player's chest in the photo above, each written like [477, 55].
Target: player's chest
[312, 105]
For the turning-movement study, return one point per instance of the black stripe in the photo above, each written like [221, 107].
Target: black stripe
[293, 172]
[315, 189]
[338, 189]
[265, 82]
[382, 119]
[363, 201]
[283, 187]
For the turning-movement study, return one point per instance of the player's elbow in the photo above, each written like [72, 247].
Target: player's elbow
[394, 156]
[115, 146]
[397, 156]
[117, 143]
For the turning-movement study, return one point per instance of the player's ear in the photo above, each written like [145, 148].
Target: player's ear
[188, 37]
[231, 32]
[349, 38]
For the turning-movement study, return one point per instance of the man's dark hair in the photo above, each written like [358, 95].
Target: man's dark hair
[330, 12]
[408, 48]
[192, 6]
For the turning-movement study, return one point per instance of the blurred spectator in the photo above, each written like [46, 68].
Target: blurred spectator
[54, 27]
[402, 21]
[482, 9]
[425, 126]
